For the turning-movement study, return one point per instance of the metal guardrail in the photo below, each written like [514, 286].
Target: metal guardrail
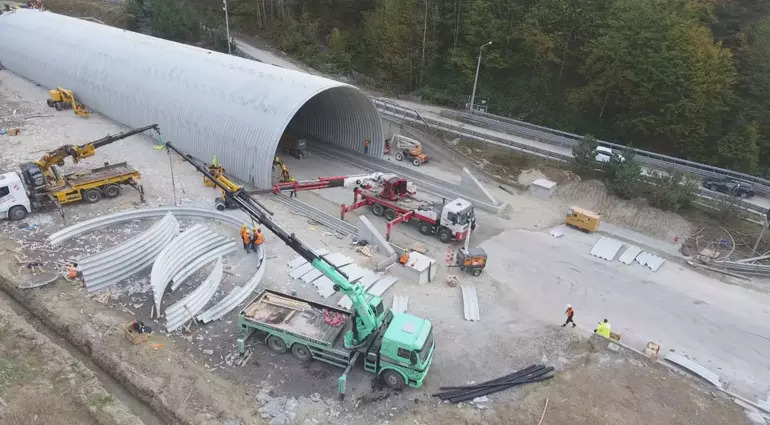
[397, 111]
[653, 160]
[565, 139]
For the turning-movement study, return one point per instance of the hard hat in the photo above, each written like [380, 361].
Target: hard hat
[569, 305]
[406, 250]
[245, 226]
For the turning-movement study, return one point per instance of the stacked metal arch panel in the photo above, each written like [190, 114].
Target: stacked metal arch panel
[123, 216]
[185, 309]
[179, 253]
[236, 296]
[207, 102]
[111, 266]
[199, 262]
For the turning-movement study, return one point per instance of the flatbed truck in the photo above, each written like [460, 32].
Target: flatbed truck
[292, 324]
[40, 184]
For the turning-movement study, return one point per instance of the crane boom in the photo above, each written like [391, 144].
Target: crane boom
[366, 321]
[78, 152]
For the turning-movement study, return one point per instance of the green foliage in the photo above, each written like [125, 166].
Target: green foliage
[689, 78]
[174, 20]
[671, 191]
[623, 175]
[738, 149]
[584, 153]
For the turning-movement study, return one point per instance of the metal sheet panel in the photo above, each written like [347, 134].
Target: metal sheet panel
[693, 367]
[628, 256]
[237, 296]
[382, 285]
[470, 304]
[606, 248]
[299, 271]
[400, 304]
[650, 260]
[207, 102]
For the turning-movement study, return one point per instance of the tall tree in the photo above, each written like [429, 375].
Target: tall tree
[655, 73]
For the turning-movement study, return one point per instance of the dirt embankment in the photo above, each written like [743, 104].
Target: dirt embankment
[177, 388]
[41, 383]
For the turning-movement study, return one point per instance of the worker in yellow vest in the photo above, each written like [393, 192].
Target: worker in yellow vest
[246, 237]
[603, 328]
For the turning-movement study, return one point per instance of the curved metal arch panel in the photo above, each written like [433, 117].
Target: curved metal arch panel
[207, 102]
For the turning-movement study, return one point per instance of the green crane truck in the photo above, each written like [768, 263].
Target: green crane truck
[398, 347]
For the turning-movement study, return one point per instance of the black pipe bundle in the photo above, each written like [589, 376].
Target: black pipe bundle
[533, 373]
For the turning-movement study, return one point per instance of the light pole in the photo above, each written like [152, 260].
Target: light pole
[476, 80]
[227, 25]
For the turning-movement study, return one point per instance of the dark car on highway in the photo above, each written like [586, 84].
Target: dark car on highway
[729, 186]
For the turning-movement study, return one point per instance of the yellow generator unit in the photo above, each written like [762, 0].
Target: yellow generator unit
[582, 219]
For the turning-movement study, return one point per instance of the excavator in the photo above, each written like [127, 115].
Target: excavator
[61, 98]
[409, 149]
[41, 184]
[397, 346]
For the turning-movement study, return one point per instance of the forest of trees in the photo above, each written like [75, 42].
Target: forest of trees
[689, 78]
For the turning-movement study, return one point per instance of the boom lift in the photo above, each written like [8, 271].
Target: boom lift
[397, 346]
[409, 149]
[61, 98]
[41, 184]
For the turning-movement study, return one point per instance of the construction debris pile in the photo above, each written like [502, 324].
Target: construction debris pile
[533, 373]
[718, 253]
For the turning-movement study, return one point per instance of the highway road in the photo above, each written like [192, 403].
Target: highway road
[431, 111]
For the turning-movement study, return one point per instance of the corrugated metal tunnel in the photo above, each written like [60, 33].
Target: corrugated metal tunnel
[206, 102]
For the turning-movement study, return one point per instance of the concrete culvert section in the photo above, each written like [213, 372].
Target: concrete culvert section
[206, 102]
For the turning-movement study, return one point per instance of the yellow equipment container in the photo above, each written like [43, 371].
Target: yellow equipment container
[585, 220]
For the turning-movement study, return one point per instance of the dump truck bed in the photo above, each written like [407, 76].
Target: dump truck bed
[303, 318]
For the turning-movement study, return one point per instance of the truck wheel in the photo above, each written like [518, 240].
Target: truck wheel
[476, 272]
[49, 102]
[277, 344]
[92, 196]
[399, 156]
[425, 228]
[444, 235]
[301, 352]
[219, 204]
[390, 215]
[393, 379]
[378, 210]
[17, 213]
[111, 190]
[416, 162]
[57, 105]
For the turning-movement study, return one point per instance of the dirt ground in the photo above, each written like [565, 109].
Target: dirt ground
[41, 383]
[193, 378]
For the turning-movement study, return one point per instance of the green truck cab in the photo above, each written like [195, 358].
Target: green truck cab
[400, 351]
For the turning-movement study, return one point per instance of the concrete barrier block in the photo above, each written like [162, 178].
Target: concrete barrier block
[369, 233]
[542, 188]
[420, 268]
[470, 183]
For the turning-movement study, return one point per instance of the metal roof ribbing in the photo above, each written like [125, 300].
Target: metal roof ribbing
[208, 103]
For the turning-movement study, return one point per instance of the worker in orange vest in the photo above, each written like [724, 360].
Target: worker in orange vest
[404, 257]
[570, 314]
[73, 272]
[257, 242]
[246, 237]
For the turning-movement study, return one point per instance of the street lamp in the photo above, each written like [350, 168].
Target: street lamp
[227, 25]
[476, 80]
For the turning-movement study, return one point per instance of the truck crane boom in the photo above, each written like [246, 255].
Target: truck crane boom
[365, 321]
[79, 152]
